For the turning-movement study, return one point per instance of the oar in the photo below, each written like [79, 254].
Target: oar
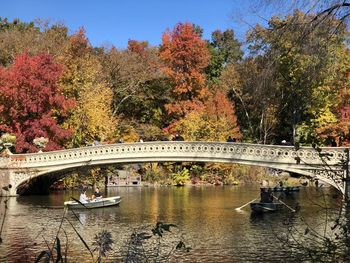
[239, 208]
[293, 210]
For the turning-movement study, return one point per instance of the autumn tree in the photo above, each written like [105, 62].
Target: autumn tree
[333, 119]
[140, 89]
[135, 79]
[343, 136]
[36, 37]
[215, 120]
[138, 47]
[343, 109]
[248, 86]
[83, 80]
[185, 57]
[31, 102]
[294, 69]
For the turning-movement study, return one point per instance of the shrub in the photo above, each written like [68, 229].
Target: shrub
[180, 178]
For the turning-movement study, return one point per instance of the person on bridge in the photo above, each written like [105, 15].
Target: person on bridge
[96, 141]
[97, 194]
[178, 137]
[333, 143]
[83, 198]
[229, 139]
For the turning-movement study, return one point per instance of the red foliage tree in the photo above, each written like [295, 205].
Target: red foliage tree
[31, 103]
[185, 57]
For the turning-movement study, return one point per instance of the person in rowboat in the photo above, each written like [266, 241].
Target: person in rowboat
[266, 195]
[83, 198]
[97, 195]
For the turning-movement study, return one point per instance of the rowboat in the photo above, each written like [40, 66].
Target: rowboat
[265, 207]
[286, 189]
[96, 203]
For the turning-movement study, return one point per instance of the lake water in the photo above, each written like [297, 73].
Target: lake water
[205, 217]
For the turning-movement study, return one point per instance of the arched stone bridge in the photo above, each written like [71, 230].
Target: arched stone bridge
[327, 164]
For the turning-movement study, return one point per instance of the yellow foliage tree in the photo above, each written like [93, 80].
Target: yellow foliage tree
[92, 118]
[331, 119]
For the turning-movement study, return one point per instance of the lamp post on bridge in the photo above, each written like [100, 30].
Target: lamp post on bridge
[8, 140]
[40, 142]
[7, 145]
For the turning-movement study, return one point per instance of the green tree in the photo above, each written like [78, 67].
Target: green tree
[224, 49]
[140, 90]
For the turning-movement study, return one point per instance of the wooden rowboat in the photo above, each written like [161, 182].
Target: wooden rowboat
[96, 203]
[266, 207]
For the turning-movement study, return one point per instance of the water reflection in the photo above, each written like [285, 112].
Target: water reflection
[82, 217]
[205, 215]
[90, 217]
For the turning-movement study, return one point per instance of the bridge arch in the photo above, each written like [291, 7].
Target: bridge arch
[306, 160]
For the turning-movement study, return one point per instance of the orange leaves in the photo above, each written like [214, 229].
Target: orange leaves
[79, 43]
[138, 47]
[221, 111]
[184, 51]
[185, 56]
[212, 120]
[184, 106]
[198, 114]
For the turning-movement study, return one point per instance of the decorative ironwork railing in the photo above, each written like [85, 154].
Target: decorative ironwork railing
[224, 152]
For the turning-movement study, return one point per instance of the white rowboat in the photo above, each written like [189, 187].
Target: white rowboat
[96, 203]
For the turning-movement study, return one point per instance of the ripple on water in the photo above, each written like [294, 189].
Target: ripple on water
[205, 216]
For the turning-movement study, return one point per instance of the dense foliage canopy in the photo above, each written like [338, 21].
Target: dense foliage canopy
[292, 83]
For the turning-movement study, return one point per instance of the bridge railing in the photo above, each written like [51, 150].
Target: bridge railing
[235, 151]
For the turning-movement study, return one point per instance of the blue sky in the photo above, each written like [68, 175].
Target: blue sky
[109, 22]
